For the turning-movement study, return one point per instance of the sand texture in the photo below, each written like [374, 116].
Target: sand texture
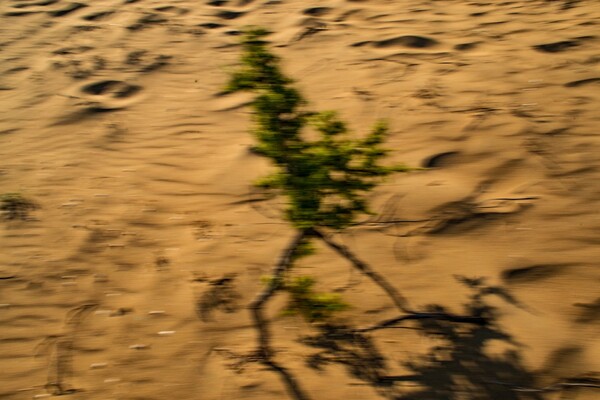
[131, 277]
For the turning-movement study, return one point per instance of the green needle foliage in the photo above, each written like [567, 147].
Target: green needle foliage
[326, 179]
[305, 301]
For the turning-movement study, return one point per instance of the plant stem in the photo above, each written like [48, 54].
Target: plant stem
[265, 351]
[399, 301]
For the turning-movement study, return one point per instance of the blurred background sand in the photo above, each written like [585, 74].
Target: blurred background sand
[112, 122]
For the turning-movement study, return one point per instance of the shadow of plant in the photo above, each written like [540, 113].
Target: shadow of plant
[357, 352]
[221, 295]
[457, 369]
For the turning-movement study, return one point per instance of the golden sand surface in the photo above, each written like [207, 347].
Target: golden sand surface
[113, 122]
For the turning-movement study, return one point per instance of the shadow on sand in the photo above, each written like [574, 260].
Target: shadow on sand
[456, 369]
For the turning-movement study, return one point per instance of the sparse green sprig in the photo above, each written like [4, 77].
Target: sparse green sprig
[326, 179]
[304, 249]
[311, 305]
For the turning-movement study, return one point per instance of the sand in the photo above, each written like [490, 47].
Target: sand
[113, 123]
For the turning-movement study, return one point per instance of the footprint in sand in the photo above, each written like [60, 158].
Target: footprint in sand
[98, 16]
[466, 46]
[68, 9]
[172, 10]
[76, 63]
[317, 11]
[144, 61]
[410, 41]
[107, 95]
[583, 82]
[441, 160]
[29, 4]
[211, 25]
[30, 7]
[217, 3]
[563, 45]
[147, 21]
[16, 70]
[82, 68]
[307, 27]
[229, 14]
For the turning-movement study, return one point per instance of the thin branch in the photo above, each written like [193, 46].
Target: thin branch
[390, 323]
[399, 301]
[389, 222]
[590, 383]
[265, 351]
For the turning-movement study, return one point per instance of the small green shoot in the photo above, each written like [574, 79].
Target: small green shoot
[312, 306]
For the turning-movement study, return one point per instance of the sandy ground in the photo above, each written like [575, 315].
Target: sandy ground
[112, 122]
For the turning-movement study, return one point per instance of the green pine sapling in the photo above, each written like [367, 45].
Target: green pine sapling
[326, 179]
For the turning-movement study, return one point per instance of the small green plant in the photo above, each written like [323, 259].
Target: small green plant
[323, 171]
[15, 206]
[325, 179]
[313, 306]
[326, 175]
[305, 301]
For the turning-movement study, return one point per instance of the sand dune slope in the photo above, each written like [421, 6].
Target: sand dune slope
[114, 124]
